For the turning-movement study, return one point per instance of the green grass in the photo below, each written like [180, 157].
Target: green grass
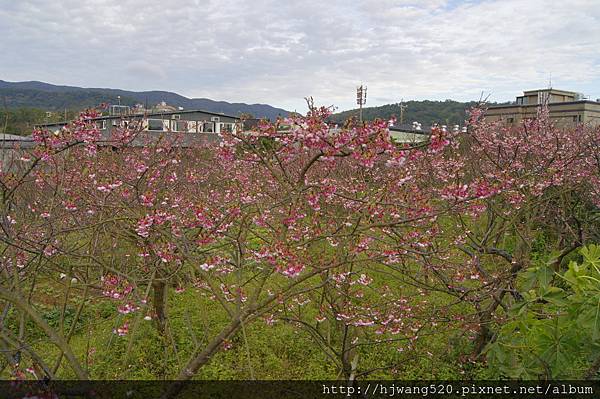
[278, 351]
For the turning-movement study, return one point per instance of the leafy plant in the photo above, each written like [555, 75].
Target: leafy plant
[555, 329]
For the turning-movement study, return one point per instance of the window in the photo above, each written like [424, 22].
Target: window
[510, 120]
[101, 125]
[177, 116]
[208, 127]
[227, 127]
[576, 118]
[155, 124]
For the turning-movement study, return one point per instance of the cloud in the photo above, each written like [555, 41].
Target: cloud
[274, 52]
[146, 70]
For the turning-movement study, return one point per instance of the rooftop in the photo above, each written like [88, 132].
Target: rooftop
[514, 104]
[551, 90]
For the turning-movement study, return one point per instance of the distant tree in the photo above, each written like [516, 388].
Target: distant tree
[21, 121]
[426, 112]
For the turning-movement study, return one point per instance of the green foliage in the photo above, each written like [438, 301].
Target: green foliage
[278, 351]
[53, 317]
[21, 121]
[426, 112]
[554, 332]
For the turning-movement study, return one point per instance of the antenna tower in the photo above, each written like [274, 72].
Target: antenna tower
[402, 108]
[361, 99]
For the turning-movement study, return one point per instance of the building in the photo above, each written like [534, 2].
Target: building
[164, 107]
[566, 108]
[409, 134]
[192, 125]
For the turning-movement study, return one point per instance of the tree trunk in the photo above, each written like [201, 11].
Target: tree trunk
[159, 302]
[485, 316]
[348, 353]
[200, 359]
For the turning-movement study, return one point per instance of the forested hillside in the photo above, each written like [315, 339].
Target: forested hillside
[426, 112]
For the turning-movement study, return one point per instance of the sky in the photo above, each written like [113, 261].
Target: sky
[279, 52]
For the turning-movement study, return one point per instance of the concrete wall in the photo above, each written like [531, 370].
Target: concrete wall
[409, 138]
[564, 114]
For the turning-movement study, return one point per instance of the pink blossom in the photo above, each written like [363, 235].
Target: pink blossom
[123, 330]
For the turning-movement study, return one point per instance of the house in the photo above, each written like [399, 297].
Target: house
[566, 108]
[181, 121]
[192, 125]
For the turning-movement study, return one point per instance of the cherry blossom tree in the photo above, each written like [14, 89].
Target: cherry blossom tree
[355, 239]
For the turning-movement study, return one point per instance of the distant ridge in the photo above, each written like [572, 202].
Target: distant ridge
[47, 96]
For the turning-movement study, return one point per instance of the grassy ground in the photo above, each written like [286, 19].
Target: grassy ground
[278, 351]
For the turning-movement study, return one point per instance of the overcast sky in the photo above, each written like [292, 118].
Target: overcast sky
[278, 52]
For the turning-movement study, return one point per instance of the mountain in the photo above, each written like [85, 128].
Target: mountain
[56, 98]
[426, 112]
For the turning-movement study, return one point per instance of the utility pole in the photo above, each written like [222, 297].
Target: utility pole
[402, 107]
[361, 99]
